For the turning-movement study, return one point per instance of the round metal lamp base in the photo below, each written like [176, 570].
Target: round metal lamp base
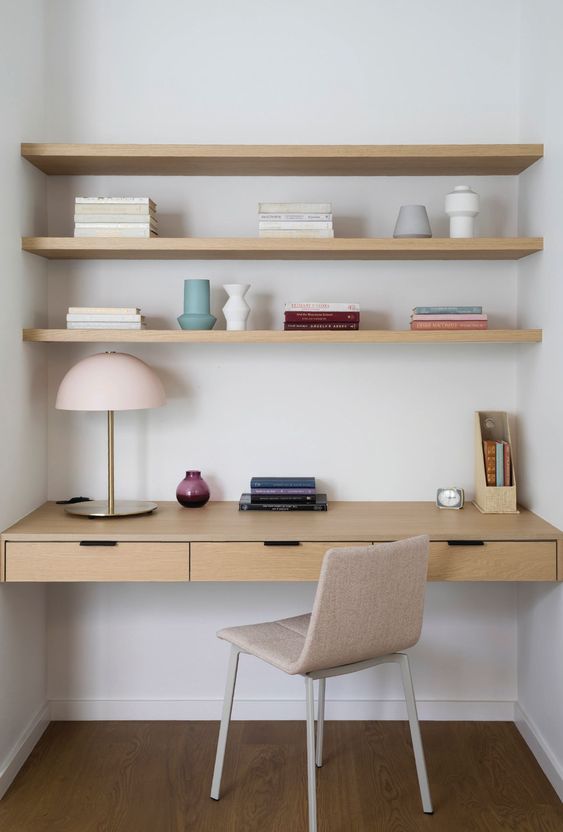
[99, 508]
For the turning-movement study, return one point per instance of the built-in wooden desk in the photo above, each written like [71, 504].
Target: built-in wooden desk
[220, 543]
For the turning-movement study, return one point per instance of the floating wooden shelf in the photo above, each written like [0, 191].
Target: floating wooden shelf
[362, 336]
[283, 160]
[255, 248]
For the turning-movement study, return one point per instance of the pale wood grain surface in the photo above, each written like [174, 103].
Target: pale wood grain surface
[282, 160]
[264, 248]
[72, 562]
[344, 521]
[220, 336]
[257, 562]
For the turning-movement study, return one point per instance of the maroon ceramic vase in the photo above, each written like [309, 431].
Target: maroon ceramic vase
[193, 491]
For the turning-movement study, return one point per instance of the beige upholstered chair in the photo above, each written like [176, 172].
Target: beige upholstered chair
[369, 605]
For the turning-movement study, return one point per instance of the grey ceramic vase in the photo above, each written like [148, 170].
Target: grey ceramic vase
[412, 222]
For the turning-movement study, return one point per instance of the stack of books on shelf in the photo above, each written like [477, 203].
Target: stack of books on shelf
[283, 494]
[498, 462]
[448, 317]
[295, 219]
[104, 317]
[119, 216]
[321, 316]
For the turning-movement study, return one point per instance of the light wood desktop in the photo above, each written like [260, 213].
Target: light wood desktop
[220, 543]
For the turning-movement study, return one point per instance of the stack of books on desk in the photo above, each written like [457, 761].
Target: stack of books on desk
[104, 317]
[119, 216]
[295, 219]
[321, 316]
[448, 317]
[283, 494]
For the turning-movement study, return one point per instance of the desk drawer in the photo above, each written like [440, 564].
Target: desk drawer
[75, 562]
[493, 561]
[258, 561]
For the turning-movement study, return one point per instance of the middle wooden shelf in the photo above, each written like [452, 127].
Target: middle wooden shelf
[272, 336]
[265, 248]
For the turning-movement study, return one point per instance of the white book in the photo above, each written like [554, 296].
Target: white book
[318, 306]
[293, 226]
[294, 207]
[112, 208]
[131, 219]
[297, 234]
[104, 310]
[114, 200]
[128, 226]
[113, 232]
[295, 217]
[97, 325]
[104, 318]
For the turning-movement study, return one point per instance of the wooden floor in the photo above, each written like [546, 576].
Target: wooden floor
[155, 777]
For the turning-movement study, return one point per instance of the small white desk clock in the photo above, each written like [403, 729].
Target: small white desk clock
[450, 498]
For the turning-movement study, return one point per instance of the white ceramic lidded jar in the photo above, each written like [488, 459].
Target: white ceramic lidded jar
[462, 206]
[236, 310]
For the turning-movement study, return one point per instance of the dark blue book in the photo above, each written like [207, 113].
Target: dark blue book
[282, 482]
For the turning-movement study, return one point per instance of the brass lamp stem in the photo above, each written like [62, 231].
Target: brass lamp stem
[111, 500]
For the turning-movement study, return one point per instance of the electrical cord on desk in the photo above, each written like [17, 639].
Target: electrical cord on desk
[73, 500]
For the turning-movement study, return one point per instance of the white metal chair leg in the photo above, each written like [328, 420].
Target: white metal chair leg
[415, 735]
[320, 722]
[311, 769]
[225, 720]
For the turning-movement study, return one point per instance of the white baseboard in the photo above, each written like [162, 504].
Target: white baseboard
[23, 748]
[540, 748]
[200, 709]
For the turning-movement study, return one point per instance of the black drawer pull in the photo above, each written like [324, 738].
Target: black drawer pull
[466, 543]
[282, 543]
[98, 542]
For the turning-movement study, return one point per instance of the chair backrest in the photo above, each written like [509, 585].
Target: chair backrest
[369, 602]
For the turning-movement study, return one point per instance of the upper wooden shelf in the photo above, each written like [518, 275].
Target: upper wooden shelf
[262, 248]
[271, 336]
[283, 160]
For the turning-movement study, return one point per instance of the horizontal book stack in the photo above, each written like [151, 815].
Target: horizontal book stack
[104, 317]
[119, 216]
[295, 219]
[498, 462]
[448, 317]
[321, 316]
[283, 494]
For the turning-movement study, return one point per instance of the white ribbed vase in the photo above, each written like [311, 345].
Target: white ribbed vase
[462, 206]
[236, 310]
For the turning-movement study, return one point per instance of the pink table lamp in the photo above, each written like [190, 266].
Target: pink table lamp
[110, 381]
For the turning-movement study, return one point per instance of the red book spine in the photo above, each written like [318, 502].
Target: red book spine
[449, 325]
[507, 464]
[328, 325]
[321, 317]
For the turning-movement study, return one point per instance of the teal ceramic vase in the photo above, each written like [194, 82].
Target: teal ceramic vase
[196, 306]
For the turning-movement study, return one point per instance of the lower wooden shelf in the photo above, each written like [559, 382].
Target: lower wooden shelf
[272, 336]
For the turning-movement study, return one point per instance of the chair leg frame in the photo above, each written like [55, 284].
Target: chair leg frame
[320, 722]
[225, 722]
[311, 768]
[315, 748]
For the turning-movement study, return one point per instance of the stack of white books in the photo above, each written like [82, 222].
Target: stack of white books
[115, 216]
[295, 219]
[104, 317]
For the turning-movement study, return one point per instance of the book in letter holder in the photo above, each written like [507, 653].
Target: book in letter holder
[493, 499]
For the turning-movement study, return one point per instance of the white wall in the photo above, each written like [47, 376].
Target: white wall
[23, 418]
[540, 299]
[371, 422]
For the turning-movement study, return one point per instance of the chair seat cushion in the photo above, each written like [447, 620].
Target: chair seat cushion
[277, 642]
